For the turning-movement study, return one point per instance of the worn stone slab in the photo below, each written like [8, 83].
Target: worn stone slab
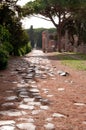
[34, 103]
[34, 90]
[50, 95]
[58, 115]
[26, 100]
[20, 85]
[49, 126]
[11, 98]
[79, 104]
[26, 126]
[35, 93]
[49, 119]
[61, 89]
[13, 113]
[84, 122]
[7, 122]
[23, 106]
[9, 91]
[44, 107]
[8, 104]
[7, 127]
[23, 93]
[34, 112]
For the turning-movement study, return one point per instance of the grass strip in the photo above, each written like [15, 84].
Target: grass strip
[76, 61]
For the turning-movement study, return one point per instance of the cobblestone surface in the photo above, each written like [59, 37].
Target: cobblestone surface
[34, 105]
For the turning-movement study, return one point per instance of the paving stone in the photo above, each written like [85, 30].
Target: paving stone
[84, 122]
[11, 98]
[26, 100]
[30, 74]
[34, 112]
[44, 77]
[35, 94]
[49, 95]
[49, 126]
[31, 82]
[13, 113]
[34, 86]
[22, 89]
[49, 119]
[7, 127]
[8, 104]
[26, 126]
[44, 107]
[45, 89]
[23, 106]
[58, 115]
[20, 85]
[23, 96]
[34, 103]
[14, 82]
[7, 122]
[28, 77]
[9, 91]
[34, 90]
[80, 104]
[61, 89]
[23, 93]
[59, 71]
[62, 73]
[50, 74]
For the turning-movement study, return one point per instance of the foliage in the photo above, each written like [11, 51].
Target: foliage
[25, 49]
[31, 36]
[38, 37]
[28, 48]
[12, 36]
[5, 39]
[3, 58]
[64, 10]
[10, 16]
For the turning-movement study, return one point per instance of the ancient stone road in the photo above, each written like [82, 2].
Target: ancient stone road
[20, 110]
[27, 96]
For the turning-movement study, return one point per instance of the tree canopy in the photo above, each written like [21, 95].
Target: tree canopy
[13, 39]
[64, 10]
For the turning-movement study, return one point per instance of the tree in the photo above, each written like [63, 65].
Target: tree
[31, 35]
[10, 16]
[50, 9]
[64, 10]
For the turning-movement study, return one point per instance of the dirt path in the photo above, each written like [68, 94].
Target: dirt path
[35, 96]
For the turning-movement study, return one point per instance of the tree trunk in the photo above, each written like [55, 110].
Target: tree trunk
[59, 33]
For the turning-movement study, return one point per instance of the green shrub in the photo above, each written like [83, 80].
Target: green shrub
[28, 48]
[8, 47]
[3, 59]
[24, 50]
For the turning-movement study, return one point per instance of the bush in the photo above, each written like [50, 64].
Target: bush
[23, 50]
[28, 48]
[8, 47]
[3, 59]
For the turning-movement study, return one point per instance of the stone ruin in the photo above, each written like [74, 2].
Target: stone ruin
[48, 45]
